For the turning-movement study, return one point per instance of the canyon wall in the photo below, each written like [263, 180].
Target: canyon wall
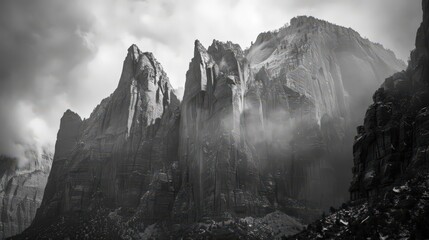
[393, 140]
[258, 130]
[128, 144]
[21, 191]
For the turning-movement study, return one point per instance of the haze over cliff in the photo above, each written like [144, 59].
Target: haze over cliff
[389, 191]
[259, 133]
[21, 190]
[53, 60]
[319, 79]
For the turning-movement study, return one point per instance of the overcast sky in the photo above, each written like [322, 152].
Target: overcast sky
[57, 55]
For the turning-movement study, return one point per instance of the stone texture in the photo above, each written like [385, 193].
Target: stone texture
[394, 138]
[258, 130]
[264, 125]
[21, 191]
[390, 186]
[312, 84]
[219, 173]
[117, 155]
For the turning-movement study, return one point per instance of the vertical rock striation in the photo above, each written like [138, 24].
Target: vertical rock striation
[389, 190]
[311, 83]
[275, 117]
[219, 174]
[21, 191]
[117, 156]
[258, 130]
[394, 139]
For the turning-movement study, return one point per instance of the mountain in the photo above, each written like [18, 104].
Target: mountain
[218, 171]
[127, 144]
[253, 121]
[390, 186]
[312, 84]
[21, 191]
[259, 133]
[331, 65]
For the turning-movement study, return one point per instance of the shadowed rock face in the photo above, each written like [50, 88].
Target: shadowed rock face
[390, 186]
[128, 142]
[263, 126]
[394, 138]
[219, 172]
[21, 191]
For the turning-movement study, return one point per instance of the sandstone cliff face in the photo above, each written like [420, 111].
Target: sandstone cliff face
[114, 157]
[394, 138]
[257, 130]
[267, 126]
[311, 85]
[331, 65]
[21, 191]
[219, 173]
[390, 186]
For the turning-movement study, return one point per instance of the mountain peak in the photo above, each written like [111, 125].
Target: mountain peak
[198, 48]
[306, 19]
[200, 53]
[134, 51]
[69, 114]
[133, 47]
[220, 47]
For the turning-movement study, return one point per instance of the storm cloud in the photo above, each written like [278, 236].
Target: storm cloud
[58, 55]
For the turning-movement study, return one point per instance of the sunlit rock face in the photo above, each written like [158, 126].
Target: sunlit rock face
[21, 191]
[270, 125]
[331, 65]
[128, 142]
[311, 85]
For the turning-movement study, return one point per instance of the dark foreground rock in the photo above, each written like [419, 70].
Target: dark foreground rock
[102, 223]
[390, 184]
[402, 212]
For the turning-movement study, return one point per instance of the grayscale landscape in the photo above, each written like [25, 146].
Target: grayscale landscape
[311, 130]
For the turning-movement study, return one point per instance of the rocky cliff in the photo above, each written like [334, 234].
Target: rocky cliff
[312, 84]
[390, 186]
[124, 154]
[258, 130]
[269, 124]
[21, 191]
[220, 174]
[394, 138]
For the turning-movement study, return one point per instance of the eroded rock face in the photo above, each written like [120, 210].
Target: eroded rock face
[21, 191]
[271, 123]
[394, 139]
[311, 84]
[114, 157]
[257, 130]
[390, 186]
[219, 173]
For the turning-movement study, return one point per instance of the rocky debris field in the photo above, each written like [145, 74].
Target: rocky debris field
[275, 225]
[402, 212]
[110, 224]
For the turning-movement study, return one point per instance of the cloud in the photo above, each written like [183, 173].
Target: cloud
[39, 47]
[56, 55]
